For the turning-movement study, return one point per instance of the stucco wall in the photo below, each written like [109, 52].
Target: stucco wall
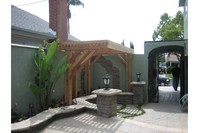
[22, 72]
[99, 71]
[19, 39]
[121, 66]
[140, 64]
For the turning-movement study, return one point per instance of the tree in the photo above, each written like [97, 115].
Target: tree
[161, 58]
[169, 28]
[48, 71]
[73, 3]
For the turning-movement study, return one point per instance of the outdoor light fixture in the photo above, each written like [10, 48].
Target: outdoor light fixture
[31, 106]
[106, 80]
[138, 76]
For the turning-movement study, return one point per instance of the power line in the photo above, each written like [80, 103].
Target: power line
[32, 3]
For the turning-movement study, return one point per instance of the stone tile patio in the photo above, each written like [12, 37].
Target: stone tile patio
[162, 117]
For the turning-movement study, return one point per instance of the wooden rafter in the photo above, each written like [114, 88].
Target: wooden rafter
[80, 62]
[122, 59]
[79, 58]
[95, 60]
[87, 57]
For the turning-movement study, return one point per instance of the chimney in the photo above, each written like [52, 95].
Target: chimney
[58, 18]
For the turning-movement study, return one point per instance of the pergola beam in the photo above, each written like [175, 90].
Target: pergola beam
[122, 59]
[82, 62]
[79, 58]
[95, 60]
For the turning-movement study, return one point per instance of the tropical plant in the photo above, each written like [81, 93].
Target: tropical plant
[48, 71]
[73, 3]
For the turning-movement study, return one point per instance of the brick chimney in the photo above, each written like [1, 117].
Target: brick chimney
[58, 18]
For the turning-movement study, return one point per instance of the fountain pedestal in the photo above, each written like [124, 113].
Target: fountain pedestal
[107, 102]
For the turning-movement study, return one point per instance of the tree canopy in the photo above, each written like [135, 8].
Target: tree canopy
[73, 3]
[169, 28]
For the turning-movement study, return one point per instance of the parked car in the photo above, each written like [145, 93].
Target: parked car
[162, 69]
[163, 81]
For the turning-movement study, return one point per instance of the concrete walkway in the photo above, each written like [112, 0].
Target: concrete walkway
[162, 117]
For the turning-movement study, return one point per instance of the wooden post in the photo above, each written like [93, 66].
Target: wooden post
[69, 92]
[68, 89]
[130, 72]
[76, 85]
[65, 87]
[127, 72]
[68, 83]
[89, 77]
[128, 59]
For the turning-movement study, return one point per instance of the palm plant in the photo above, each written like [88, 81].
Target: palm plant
[47, 73]
[73, 3]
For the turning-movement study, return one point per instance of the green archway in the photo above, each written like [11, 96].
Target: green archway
[153, 91]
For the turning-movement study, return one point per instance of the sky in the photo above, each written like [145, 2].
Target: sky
[115, 20]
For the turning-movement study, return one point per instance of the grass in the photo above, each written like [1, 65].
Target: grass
[125, 114]
[169, 76]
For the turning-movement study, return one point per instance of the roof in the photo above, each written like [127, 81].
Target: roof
[97, 46]
[27, 22]
[172, 57]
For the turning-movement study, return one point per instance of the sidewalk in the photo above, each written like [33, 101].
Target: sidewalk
[162, 117]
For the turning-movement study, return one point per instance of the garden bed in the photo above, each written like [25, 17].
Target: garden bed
[84, 104]
[41, 120]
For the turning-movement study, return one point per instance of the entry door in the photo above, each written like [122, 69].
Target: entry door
[153, 91]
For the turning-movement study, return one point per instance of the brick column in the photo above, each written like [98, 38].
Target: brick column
[107, 102]
[58, 18]
[138, 90]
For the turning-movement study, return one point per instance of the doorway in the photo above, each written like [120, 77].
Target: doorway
[153, 70]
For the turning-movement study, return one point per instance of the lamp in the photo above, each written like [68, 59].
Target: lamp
[138, 76]
[106, 80]
[31, 106]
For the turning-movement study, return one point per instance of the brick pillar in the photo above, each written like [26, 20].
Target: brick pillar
[58, 18]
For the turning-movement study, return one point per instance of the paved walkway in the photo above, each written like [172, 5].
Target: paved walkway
[162, 117]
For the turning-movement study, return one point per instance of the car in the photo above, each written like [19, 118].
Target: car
[162, 69]
[163, 81]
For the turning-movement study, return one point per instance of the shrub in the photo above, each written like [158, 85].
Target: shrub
[47, 73]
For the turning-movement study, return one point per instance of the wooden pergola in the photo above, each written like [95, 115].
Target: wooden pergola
[80, 53]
